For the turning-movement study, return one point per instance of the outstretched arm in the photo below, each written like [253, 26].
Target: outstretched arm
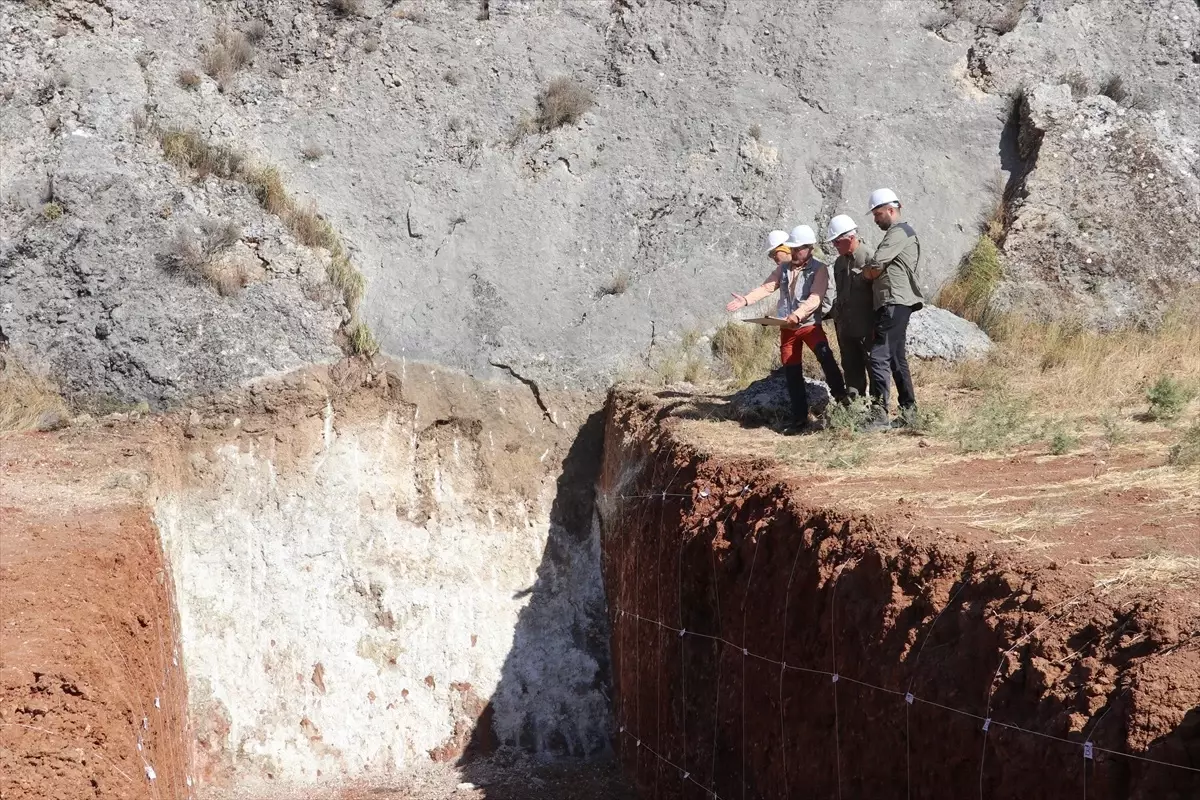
[756, 294]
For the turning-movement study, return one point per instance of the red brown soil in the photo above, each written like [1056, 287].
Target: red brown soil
[1040, 593]
[88, 660]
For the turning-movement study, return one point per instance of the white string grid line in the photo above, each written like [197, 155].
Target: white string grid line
[1087, 747]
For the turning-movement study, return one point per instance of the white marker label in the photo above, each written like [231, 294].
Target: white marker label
[908, 698]
[1088, 750]
[987, 723]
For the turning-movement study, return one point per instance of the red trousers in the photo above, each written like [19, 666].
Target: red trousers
[790, 340]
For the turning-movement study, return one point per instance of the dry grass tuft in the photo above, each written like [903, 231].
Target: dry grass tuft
[312, 151]
[230, 51]
[24, 398]
[1160, 569]
[563, 102]
[190, 78]
[188, 150]
[749, 351]
[347, 8]
[1055, 364]
[617, 284]
[197, 253]
[1186, 453]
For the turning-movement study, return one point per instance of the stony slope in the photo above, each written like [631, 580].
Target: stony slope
[713, 120]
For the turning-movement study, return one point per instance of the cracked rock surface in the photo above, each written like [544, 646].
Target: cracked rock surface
[553, 252]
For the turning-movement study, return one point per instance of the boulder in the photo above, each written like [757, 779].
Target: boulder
[935, 333]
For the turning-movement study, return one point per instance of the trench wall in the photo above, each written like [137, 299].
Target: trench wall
[734, 606]
[373, 580]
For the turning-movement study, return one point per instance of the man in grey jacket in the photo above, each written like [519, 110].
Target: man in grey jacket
[896, 291]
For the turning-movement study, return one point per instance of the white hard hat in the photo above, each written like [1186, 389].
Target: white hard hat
[774, 239]
[801, 236]
[839, 225]
[881, 197]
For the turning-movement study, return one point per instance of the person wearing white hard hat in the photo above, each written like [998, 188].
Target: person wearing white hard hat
[855, 320]
[803, 284]
[896, 293]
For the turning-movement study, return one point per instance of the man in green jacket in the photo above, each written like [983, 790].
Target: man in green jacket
[896, 290]
[855, 306]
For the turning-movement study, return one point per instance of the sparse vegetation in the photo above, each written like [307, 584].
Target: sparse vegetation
[197, 253]
[452, 76]
[938, 21]
[190, 78]
[1000, 422]
[969, 294]
[347, 8]
[1114, 89]
[362, 341]
[370, 44]
[681, 362]
[1062, 440]
[312, 151]
[1056, 364]
[257, 30]
[188, 150]
[25, 398]
[1168, 398]
[563, 102]
[1080, 87]
[750, 352]
[756, 132]
[53, 210]
[1008, 19]
[1115, 431]
[1186, 453]
[230, 51]
[924, 420]
[144, 58]
[617, 284]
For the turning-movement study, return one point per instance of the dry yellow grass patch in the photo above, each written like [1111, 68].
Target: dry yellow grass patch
[24, 398]
[1063, 367]
[1161, 569]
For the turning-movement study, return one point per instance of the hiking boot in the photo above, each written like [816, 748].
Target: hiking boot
[878, 421]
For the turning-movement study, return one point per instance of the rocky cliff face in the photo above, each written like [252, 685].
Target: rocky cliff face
[566, 254]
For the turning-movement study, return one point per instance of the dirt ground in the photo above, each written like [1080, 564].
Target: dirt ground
[92, 698]
[1055, 595]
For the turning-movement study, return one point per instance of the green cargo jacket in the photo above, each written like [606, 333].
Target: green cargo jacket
[899, 254]
[854, 308]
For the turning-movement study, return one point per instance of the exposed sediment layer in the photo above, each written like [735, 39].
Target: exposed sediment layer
[374, 568]
[734, 603]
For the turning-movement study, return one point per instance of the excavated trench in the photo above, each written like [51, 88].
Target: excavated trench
[324, 586]
[765, 645]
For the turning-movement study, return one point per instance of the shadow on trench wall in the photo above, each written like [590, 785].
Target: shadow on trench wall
[552, 700]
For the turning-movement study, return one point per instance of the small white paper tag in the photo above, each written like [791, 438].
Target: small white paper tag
[908, 698]
[1088, 750]
[835, 677]
[987, 723]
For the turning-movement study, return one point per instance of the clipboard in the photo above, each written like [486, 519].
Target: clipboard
[769, 322]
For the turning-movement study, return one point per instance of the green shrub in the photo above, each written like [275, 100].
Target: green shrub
[1168, 397]
[996, 425]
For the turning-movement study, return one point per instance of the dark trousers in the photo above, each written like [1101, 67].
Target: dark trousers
[888, 357]
[797, 392]
[856, 354]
